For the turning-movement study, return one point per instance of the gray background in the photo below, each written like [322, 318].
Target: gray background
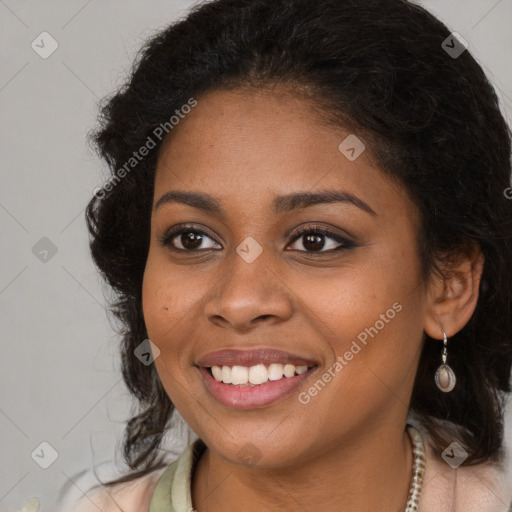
[60, 378]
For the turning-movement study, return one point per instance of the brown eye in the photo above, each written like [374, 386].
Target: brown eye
[190, 240]
[317, 239]
[187, 239]
[312, 240]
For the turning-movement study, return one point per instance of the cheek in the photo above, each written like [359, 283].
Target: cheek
[170, 298]
[165, 309]
[372, 312]
[160, 300]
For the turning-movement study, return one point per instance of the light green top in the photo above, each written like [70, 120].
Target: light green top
[173, 490]
[172, 493]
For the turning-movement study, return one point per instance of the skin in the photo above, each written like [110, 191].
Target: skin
[347, 449]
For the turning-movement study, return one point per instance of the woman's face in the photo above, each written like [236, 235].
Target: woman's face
[350, 304]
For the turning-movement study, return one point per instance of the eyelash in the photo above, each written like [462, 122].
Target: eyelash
[167, 238]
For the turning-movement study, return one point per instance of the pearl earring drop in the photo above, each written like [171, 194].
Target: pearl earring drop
[445, 376]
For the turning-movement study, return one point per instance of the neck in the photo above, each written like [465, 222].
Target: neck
[365, 473]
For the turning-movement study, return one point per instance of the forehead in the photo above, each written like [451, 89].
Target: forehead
[251, 145]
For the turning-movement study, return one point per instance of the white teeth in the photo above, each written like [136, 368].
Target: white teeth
[289, 370]
[275, 371]
[301, 369]
[226, 374]
[239, 375]
[258, 374]
[255, 375]
[217, 373]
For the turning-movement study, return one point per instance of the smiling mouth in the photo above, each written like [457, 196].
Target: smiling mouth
[240, 393]
[255, 375]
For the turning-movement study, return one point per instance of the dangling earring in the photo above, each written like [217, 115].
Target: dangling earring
[445, 377]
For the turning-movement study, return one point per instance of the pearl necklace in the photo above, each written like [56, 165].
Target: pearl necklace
[418, 469]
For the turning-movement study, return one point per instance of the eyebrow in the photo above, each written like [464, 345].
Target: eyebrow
[280, 204]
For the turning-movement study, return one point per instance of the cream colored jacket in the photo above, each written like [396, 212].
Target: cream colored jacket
[480, 488]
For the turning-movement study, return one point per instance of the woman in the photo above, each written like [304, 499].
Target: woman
[308, 217]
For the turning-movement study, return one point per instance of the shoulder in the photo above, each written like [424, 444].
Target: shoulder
[138, 494]
[132, 496]
[485, 487]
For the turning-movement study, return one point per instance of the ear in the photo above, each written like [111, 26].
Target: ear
[452, 298]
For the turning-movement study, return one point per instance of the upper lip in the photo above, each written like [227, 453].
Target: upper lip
[252, 357]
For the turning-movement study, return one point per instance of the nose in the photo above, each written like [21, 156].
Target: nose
[249, 294]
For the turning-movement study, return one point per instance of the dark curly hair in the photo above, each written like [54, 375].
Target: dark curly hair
[433, 123]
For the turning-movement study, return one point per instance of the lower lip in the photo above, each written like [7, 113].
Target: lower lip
[247, 397]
